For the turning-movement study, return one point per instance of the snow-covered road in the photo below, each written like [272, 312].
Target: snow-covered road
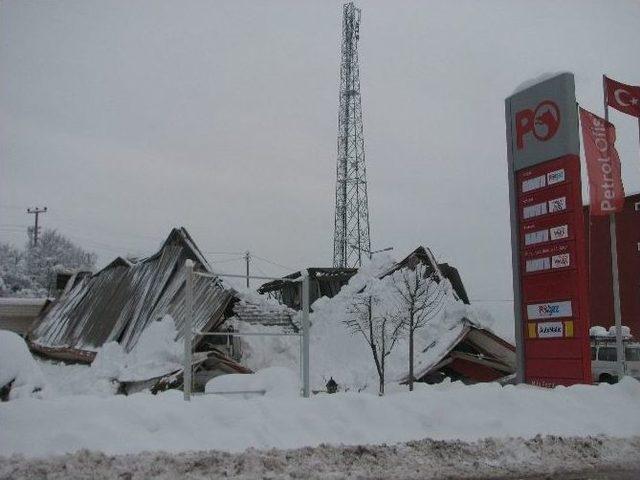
[535, 459]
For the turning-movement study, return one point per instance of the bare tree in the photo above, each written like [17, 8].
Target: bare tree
[381, 329]
[419, 296]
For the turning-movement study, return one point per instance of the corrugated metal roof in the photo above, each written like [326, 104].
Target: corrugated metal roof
[264, 313]
[117, 303]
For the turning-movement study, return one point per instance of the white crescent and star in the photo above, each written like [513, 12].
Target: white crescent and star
[618, 96]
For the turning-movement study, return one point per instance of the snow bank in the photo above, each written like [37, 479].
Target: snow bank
[17, 365]
[336, 352]
[121, 424]
[270, 382]
[156, 353]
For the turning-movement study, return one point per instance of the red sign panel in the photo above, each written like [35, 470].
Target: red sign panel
[553, 273]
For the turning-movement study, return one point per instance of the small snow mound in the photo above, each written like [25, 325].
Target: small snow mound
[270, 382]
[157, 353]
[626, 331]
[18, 366]
[598, 331]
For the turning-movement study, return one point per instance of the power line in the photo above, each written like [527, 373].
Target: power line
[273, 263]
[227, 260]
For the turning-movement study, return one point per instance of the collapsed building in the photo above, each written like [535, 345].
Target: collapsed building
[466, 350]
[117, 303]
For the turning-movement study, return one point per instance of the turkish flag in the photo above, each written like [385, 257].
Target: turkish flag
[606, 191]
[625, 98]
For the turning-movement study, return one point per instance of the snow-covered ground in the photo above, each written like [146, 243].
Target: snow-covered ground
[120, 424]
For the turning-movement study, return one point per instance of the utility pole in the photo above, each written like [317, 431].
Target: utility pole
[36, 211]
[247, 258]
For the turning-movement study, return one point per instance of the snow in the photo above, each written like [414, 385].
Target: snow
[626, 331]
[17, 365]
[156, 353]
[270, 382]
[598, 331]
[541, 457]
[143, 422]
[336, 352]
[534, 81]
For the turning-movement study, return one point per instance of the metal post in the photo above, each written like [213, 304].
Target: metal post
[616, 295]
[247, 258]
[188, 330]
[305, 335]
[617, 312]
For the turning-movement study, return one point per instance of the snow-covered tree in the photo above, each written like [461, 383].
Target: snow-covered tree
[419, 297]
[381, 328]
[53, 253]
[31, 271]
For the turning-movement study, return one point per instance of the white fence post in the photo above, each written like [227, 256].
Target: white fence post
[305, 334]
[188, 330]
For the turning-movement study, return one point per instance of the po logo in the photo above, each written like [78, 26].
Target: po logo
[543, 122]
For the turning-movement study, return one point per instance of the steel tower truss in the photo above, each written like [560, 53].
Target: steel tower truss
[351, 234]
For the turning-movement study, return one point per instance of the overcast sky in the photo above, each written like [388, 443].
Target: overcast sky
[128, 118]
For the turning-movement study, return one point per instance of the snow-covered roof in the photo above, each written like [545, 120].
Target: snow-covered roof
[119, 301]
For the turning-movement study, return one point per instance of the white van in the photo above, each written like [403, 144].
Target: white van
[604, 358]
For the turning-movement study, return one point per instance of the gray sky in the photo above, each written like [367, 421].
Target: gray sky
[128, 118]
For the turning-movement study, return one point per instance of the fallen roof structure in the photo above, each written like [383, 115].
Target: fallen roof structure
[456, 344]
[463, 349]
[121, 300]
[327, 282]
[323, 282]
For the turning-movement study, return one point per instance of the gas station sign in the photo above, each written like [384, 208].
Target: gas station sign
[547, 235]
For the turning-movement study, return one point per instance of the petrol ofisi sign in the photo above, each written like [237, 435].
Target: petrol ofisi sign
[548, 245]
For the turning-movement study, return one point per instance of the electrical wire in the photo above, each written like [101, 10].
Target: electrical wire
[272, 262]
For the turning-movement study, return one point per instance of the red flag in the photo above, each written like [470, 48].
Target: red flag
[625, 98]
[606, 191]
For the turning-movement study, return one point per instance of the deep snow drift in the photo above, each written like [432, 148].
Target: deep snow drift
[156, 354]
[17, 365]
[120, 424]
[336, 352]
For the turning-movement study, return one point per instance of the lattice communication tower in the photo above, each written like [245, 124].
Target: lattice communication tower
[351, 234]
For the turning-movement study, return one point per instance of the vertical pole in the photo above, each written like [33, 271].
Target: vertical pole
[616, 294]
[188, 330]
[515, 253]
[305, 334]
[615, 276]
[35, 231]
[36, 211]
[247, 257]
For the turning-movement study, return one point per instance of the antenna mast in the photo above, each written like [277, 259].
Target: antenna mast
[351, 233]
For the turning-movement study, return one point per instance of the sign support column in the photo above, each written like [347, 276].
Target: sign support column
[615, 275]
